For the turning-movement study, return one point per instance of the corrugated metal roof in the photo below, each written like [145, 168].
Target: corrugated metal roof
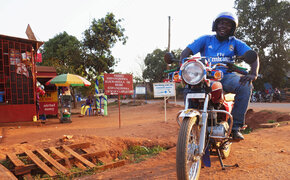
[45, 72]
[39, 43]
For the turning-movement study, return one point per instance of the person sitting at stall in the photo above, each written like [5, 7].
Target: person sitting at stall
[86, 106]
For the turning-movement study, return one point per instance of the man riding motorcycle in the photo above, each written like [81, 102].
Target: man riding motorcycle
[221, 48]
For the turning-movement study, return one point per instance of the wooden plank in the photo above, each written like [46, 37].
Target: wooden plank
[105, 160]
[95, 154]
[14, 159]
[20, 170]
[6, 174]
[28, 177]
[80, 165]
[79, 157]
[40, 164]
[80, 146]
[61, 155]
[57, 165]
[57, 152]
[112, 165]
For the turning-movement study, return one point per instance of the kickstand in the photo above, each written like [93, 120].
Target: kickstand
[221, 161]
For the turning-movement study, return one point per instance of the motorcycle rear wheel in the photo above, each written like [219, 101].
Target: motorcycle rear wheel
[187, 163]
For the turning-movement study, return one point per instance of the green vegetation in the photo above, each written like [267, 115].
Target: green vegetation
[247, 130]
[140, 153]
[264, 25]
[88, 57]
[155, 65]
[271, 121]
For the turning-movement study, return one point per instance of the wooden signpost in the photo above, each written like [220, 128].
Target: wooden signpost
[118, 84]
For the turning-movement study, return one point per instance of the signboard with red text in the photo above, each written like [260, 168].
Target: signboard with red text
[118, 84]
[48, 103]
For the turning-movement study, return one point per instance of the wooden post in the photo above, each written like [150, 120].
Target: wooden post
[168, 48]
[119, 111]
[165, 102]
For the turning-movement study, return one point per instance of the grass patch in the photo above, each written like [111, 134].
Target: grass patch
[140, 153]
[247, 130]
[271, 121]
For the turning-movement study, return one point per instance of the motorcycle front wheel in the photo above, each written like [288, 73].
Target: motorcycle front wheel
[188, 164]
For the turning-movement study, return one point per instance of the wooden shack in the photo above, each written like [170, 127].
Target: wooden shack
[17, 79]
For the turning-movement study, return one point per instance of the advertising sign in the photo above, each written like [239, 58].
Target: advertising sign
[163, 89]
[48, 103]
[48, 108]
[118, 84]
[140, 90]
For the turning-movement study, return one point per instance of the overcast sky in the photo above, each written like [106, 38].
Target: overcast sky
[145, 22]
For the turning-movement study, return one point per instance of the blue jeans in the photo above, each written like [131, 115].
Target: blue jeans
[231, 84]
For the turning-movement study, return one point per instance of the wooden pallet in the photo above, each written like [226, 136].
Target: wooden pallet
[5, 174]
[58, 160]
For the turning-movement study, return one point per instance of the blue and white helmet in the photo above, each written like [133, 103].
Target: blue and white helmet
[226, 15]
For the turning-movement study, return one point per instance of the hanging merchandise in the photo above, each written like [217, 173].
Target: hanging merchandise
[21, 69]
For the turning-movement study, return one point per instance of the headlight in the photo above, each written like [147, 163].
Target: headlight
[193, 72]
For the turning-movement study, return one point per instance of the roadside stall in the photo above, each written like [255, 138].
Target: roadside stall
[66, 81]
[48, 102]
[17, 79]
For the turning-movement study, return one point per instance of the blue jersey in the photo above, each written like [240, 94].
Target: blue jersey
[217, 51]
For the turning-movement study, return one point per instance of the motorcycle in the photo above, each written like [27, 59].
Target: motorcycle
[204, 126]
[277, 96]
[254, 97]
[268, 97]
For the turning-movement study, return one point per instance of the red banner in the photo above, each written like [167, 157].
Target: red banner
[39, 57]
[48, 108]
[118, 84]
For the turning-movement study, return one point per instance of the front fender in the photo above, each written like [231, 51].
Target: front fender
[189, 113]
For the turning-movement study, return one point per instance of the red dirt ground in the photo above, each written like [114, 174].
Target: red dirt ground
[264, 154]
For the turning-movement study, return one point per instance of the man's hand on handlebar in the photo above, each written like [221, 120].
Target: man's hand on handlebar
[247, 78]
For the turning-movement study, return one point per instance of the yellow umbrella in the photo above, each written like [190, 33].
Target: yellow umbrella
[69, 80]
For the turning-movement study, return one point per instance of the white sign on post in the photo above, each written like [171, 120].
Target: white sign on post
[140, 90]
[164, 89]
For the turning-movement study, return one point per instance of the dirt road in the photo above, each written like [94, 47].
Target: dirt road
[264, 154]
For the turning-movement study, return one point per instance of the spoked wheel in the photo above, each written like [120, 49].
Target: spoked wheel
[187, 162]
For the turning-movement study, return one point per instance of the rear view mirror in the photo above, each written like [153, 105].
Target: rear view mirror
[169, 58]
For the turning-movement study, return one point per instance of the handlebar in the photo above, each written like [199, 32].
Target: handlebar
[169, 58]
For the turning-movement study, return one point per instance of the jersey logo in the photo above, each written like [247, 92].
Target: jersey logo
[219, 59]
[210, 47]
[231, 48]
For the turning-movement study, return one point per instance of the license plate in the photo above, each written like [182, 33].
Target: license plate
[196, 95]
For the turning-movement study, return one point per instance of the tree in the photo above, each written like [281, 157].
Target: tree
[63, 52]
[98, 40]
[155, 65]
[264, 25]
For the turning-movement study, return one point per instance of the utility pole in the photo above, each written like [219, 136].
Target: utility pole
[168, 48]
[167, 67]
[169, 33]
